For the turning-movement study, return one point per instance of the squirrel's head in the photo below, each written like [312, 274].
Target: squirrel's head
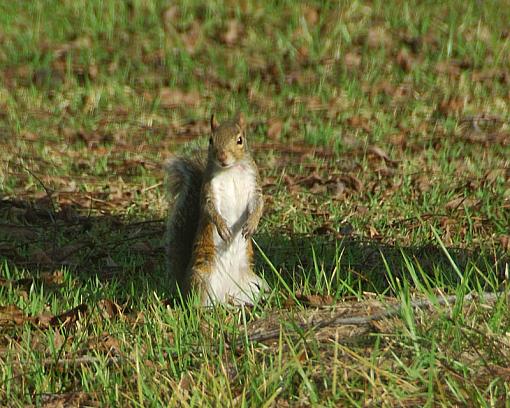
[227, 143]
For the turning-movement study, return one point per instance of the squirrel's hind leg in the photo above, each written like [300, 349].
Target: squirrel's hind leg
[251, 290]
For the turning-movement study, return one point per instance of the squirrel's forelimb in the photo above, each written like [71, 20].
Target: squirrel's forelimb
[256, 209]
[214, 216]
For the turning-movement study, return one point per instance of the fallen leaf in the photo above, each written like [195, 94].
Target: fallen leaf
[404, 60]
[172, 98]
[12, 315]
[41, 257]
[352, 61]
[274, 129]
[357, 121]
[311, 15]
[448, 68]
[373, 232]
[488, 138]
[318, 188]
[109, 309]
[451, 106]
[170, 16]
[231, 36]
[63, 253]
[192, 36]
[142, 246]
[460, 201]
[352, 182]
[69, 317]
[314, 300]
[19, 233]
[377, 151]
[93, 139]
[378, 37]
[504, 240]
[68, 399]
[337, 189]
[53, 278]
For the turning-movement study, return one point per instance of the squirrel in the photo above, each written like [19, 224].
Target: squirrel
[217, 204]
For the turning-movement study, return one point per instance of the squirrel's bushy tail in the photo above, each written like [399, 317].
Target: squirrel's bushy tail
[184, 181]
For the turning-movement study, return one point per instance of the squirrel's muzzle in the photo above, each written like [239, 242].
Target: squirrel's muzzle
[222, 158]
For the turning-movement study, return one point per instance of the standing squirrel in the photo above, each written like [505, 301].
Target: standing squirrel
[217, 205]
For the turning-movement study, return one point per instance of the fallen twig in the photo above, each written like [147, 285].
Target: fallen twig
[489, 297]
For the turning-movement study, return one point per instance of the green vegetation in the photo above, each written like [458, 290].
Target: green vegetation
[382, 134]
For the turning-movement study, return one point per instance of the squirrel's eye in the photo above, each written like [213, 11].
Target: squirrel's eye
[239, 140]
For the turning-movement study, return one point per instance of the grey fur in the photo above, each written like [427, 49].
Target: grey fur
[184, 181]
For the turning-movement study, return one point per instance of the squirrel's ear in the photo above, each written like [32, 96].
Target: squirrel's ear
[214, 123]
[240, 121]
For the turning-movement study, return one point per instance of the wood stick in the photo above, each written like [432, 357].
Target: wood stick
[489, 297]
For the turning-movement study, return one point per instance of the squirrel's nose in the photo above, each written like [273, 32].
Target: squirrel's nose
[222, 157]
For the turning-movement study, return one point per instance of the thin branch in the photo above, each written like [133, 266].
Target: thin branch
[338, 320]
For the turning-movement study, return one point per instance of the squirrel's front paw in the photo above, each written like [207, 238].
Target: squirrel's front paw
[249, 228]
[224, 231]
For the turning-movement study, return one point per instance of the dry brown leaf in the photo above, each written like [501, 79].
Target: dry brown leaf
[315, 103]
[446, 67]
[274, 129]
[373, 232]
[170, 16]
[455, 203]
[336, 189]
[360, 122]
[60, 254]
[93, 139]
[352, 182]
[109, 309]
[352, 61]
[504, 240]
[451, 106]
[318, 188]
[69, 399]
[19, 233]
[12, 315]
[311, 180]
[492, 175]
[234, 30]
[53, 278]
[172, 98]
[378, 37]
[404, 60]
[191, 36]
[311, 15]
[69, 317]
[41, 257]
[377, 151]
[314, 300]
[186, 383]
[144, 247]
[487, 138]
[491, 75]
[325, 229]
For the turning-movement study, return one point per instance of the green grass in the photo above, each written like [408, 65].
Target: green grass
[388, 182]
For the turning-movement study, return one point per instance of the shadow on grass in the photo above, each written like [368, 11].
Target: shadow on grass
[126, 256]
[364, 264]
[39, 241]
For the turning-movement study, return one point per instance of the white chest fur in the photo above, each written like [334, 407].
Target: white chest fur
[233, 190]
[231, 277]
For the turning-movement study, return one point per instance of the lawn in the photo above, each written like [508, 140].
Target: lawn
[382, 134]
